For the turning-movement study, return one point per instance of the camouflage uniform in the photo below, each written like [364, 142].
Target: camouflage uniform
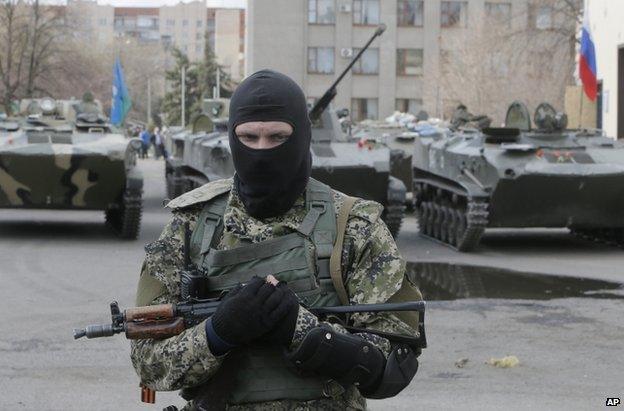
[372, 270]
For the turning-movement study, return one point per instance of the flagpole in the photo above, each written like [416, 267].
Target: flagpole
[183, 95]
[149, 100]
[218, 93]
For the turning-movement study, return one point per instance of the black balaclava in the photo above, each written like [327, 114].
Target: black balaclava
[269, 181]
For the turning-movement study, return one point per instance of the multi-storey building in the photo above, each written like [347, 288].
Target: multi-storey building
[183, 25]
[140, 23]
[92, 20]
[314, 40]
[605, 19]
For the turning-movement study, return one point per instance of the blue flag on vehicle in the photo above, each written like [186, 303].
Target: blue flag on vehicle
[121, 98]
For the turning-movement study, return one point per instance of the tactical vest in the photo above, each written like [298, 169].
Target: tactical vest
[301, 258]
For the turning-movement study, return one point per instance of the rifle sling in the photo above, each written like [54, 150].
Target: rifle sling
[335, 258]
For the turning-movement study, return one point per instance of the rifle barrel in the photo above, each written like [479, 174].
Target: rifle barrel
[329, 95]
[380, 29]
[371, 308]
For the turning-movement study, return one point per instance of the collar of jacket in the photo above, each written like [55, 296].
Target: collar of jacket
[245, 227]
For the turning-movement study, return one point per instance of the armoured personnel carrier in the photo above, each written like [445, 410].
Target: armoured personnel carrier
[63, 154]
[202, 154]
[519, 176]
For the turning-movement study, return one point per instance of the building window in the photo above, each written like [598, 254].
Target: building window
[498, 12]
[184, 23]
[364, 108]
[368, 63]
[146, 22]
[102, 21]
[170, 22]
[410, 12]
[321, 60]
[497, 64]
[198, 23]
[366, 12]
[409, 105]
[409, 62]
[199, 35]
[321, 12]
[454, 14]
[541, 17]
[198, 48]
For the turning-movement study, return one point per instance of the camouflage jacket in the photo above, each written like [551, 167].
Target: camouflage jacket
[372, 270]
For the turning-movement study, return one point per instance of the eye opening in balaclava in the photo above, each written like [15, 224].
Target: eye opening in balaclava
[264, 149]
[268, 181]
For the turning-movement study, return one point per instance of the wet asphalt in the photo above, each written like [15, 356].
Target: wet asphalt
[60, 270]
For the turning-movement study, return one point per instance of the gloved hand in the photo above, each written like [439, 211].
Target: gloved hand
[283, 332]
[245, 314]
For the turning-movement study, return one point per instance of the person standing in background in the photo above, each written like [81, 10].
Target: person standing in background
[159, 145]
[145, 139]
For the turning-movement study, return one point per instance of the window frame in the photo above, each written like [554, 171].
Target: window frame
[404, 54]
[361, 2]
[367, 100]
[489, 15]
[463, 4]
[418, 101]
[316, 14]
[422, 8]
[358, 63]
[316, 50]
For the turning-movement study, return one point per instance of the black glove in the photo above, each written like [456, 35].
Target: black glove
[283, 333]
[248, 312]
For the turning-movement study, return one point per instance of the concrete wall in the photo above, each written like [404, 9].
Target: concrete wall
[606, 17]
[276, 33]
[227, 49]
[189, 37]
[281, 43]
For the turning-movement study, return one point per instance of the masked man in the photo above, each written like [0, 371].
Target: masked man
[263, 349]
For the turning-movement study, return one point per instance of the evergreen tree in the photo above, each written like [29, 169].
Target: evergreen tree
[200, 82]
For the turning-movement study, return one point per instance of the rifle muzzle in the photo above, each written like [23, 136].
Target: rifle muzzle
[94, 331]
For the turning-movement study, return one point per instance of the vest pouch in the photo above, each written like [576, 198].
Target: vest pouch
[284, 257]
[263, 374]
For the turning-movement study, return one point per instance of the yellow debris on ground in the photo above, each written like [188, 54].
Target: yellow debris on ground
[509, 361]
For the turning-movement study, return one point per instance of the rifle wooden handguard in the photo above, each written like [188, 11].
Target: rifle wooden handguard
[149, 313]
[154, 330]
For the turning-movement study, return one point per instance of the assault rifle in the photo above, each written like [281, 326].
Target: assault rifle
[167, 320]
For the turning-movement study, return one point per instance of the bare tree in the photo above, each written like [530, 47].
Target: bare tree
[47, 28]
[13, 44]
[29, 38]
[527, 56]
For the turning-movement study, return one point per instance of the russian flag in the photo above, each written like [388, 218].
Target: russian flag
[587, 61]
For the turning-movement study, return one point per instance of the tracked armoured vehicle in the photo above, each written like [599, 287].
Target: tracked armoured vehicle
[519, 176]
[63, 154]
[202, 154]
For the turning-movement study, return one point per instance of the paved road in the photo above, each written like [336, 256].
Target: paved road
[59, 270]
[549, 251]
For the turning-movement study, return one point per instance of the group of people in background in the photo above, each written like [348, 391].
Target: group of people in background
[155, 139]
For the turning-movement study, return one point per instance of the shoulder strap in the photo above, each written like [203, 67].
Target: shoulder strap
[208, 228]
[335, 259]
[201, 194]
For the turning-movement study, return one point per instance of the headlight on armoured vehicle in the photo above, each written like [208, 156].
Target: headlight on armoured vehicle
[48, 105]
